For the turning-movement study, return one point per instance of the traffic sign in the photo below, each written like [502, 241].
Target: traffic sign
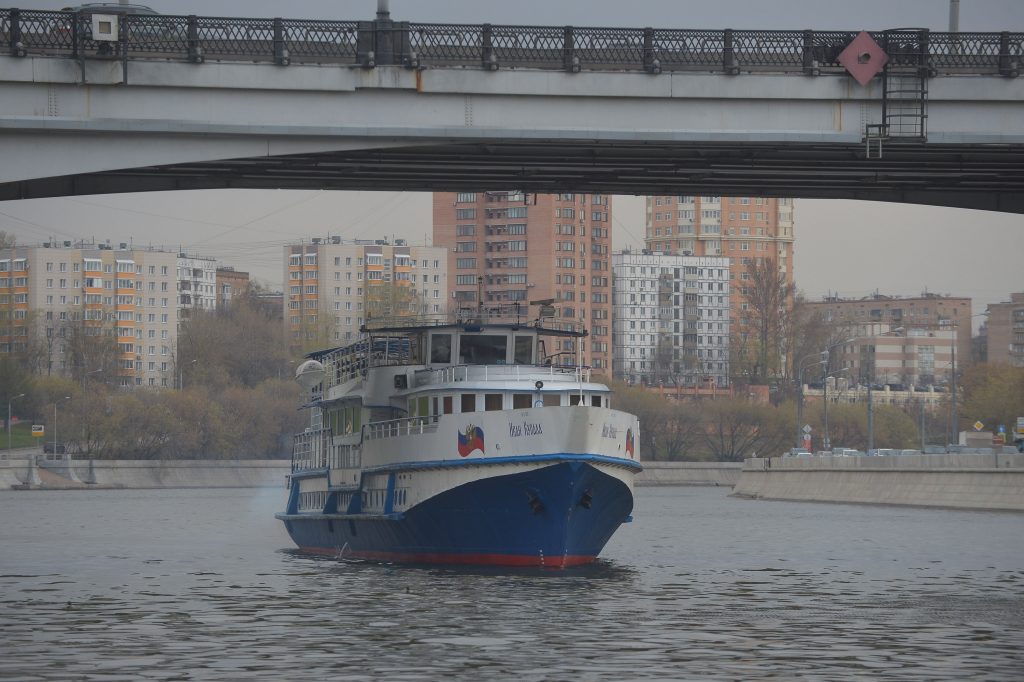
[978, 426]
[38, 430]
[807, 428]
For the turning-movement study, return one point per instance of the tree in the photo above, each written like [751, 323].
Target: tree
[769, 300]
[393, 299]
[90, 344]
[736, 428]
[992, 394]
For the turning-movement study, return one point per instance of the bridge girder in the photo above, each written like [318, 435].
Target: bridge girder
[989, 177]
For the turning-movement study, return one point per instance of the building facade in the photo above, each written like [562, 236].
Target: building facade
[230, 284]
[506, 249]
[332, 287]
[901, 359]
[742, 229]
[670, 319]
[197, 284]
[85, 308]
[1006, 331]
[879, 313]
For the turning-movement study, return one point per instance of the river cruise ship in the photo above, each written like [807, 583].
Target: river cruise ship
[460, 442]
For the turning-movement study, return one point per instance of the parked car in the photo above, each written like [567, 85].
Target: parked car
[48, 448]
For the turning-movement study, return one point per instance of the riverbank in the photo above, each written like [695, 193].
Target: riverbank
[980, 481]
[19, 472]
[56, 473]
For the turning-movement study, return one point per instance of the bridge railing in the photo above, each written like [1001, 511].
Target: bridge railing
[488, 46]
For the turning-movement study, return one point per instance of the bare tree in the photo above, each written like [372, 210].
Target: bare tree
[769, 302]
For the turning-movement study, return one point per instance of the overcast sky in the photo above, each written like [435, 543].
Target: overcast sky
[853, 248]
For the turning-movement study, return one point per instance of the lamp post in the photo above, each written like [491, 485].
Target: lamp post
[800, 397]
[825, 441]
[20, 395]
[67, 397]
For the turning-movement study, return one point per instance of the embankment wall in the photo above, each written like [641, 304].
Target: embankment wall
[239, 473]
[991, 481]
[227, 473]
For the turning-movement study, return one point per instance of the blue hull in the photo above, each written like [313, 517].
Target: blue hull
[559, 515]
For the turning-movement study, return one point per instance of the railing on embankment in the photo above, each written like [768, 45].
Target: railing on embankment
[689, 473]
[989, 481]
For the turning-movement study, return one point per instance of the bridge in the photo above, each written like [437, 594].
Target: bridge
[127, 103]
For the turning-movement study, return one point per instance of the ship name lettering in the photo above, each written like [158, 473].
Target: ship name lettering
[609, 431]
[525, 429]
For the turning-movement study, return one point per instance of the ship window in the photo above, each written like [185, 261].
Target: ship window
[596, 401]
[447, 404]
[492, 401]
[574, 399]
[521, 401]
[524, 351]
[468, 402]
[441, 348]
[484, 349]
[552, 400]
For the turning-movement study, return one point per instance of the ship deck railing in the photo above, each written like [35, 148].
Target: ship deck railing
[457, 373]
[407, 426]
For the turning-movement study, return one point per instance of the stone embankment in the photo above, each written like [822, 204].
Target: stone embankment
[57, 473]
[978, 481]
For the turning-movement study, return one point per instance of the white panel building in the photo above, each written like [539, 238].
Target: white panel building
[670, 319]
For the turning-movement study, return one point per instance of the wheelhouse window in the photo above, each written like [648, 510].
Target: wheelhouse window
[521, 401]
[483, 349]
[441, 348]
[468, 402]
[523, 350]
[492, 402]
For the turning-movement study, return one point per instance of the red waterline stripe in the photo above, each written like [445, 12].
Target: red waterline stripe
[453, 558]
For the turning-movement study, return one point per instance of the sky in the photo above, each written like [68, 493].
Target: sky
[852, 248]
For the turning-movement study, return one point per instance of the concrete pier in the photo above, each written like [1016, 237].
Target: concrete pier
[980, 481]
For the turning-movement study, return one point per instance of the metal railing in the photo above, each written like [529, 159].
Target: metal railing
[454, 373]
[408, 426]
[487, 46]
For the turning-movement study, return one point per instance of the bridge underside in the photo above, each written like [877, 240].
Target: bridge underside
[989, 177]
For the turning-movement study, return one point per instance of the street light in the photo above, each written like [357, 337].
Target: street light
[800, 395]
[67, 397]
[20, 395]
[85, 376]
[181, 377]
[826, 442]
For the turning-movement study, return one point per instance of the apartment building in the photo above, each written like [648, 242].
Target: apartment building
[927, 312]
[900, 358]
[332, 286]
[1006, 331]
[197, 284]
[506, 249]
[230, 284]
[670, 319]
[81, 308]
[742, 229]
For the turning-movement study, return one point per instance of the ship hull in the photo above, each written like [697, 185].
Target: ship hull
[554, 516]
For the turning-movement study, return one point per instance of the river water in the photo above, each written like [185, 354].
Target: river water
[202, 585]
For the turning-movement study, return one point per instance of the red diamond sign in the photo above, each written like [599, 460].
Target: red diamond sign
[863, 58]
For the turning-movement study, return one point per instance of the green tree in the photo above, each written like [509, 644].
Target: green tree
[992, 394]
